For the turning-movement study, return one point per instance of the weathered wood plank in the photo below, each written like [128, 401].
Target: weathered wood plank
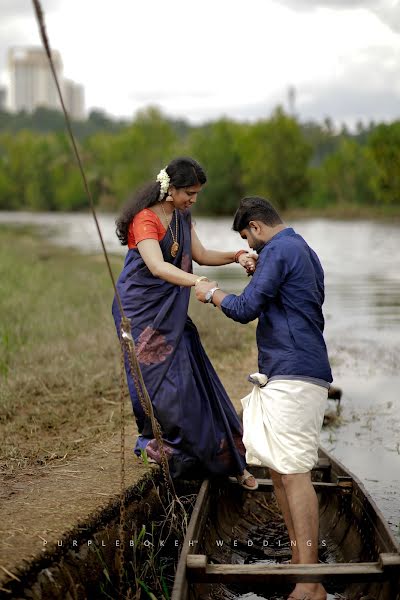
[390, 562]
[194, 531]
[323, 464]
[199, 571]
[266, 485]
[384, 537]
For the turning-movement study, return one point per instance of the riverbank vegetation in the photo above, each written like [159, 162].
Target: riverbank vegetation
[59, 353]
[309, 168]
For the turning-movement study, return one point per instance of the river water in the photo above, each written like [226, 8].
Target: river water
[361, 260]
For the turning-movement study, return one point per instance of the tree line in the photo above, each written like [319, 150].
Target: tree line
[293, 164]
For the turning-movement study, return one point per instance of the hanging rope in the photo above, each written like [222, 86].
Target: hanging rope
[45, 41]
[126, 339]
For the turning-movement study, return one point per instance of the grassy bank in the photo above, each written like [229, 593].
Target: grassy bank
[59, 354]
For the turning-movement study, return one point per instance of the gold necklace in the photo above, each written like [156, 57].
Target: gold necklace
[175, 246]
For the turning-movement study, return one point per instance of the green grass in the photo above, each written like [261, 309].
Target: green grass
[59, 352]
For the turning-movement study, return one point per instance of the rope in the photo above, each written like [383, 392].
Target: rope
[122, 514]
[126, 339]
[128, 343]
[126, 335]
[46, 44]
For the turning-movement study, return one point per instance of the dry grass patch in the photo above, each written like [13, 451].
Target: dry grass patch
[59, 358]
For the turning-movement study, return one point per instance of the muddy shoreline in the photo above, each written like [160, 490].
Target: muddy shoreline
[73, 556]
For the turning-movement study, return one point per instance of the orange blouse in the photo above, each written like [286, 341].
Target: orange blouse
[146, 225]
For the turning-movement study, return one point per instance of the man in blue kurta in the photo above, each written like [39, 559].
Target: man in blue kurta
[286, 294]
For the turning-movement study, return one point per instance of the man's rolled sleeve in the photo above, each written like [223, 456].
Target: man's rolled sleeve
[244, 308]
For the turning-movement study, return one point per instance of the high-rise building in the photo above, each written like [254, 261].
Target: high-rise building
[74, 98]
[3, 97]
[32, 84]
[31, 81]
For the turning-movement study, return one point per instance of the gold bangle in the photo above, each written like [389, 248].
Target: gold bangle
[202, 278]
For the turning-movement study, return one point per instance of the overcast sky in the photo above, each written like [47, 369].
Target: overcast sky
[204, 59]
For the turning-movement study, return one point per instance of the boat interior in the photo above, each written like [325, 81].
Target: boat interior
[237, 546]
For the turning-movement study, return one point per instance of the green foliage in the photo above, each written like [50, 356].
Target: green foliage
[384, 143]
[322, 139]
[44, 120]
[292, 164]
[122, 162]
[275, 158]
[141, 150]
[216, 147]
[345, 176]
[25, 172]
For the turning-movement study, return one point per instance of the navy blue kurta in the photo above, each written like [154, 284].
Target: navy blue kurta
[286, 294]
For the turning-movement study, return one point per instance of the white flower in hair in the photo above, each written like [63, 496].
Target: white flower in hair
[163, 179]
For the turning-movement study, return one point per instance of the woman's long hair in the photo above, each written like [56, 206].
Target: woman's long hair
[183, 172]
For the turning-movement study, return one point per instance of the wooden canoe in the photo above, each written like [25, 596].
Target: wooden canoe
[236, 543]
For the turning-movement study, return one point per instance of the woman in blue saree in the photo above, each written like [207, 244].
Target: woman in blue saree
[201, 430]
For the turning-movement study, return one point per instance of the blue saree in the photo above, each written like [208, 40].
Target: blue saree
[201, 430]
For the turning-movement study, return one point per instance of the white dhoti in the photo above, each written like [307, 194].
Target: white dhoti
[282, 424]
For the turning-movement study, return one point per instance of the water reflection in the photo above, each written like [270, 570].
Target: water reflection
[368, 439]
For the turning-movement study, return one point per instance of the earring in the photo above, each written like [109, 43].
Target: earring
[169, 198]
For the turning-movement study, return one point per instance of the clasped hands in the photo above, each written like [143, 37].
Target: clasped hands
[248, 261]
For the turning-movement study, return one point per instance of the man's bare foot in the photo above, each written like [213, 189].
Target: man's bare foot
[308, 591]
[293, 561]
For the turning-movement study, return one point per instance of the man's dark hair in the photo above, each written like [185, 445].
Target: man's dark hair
[254, 208]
